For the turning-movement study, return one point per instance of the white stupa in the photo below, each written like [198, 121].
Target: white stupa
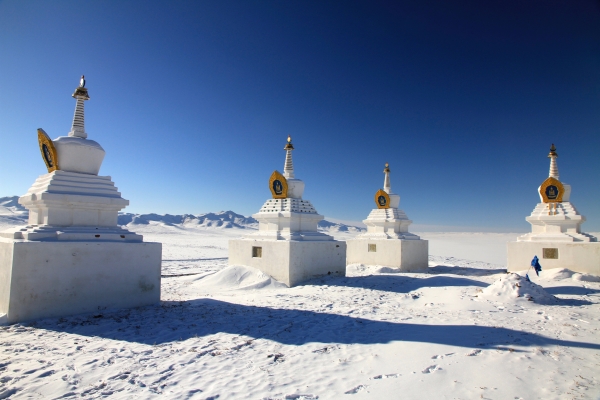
[387, 241]
[73, 257]
[287, 245]
[556, 236]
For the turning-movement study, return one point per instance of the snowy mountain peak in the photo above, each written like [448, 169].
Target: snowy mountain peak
[221, 219]
[16, 214]
[10, 205]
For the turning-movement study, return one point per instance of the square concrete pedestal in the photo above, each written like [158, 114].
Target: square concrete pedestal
[290, 262]
[583, 257]
[407, 255]
[48, 279]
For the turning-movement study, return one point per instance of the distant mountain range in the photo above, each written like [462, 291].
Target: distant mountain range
[12, 213]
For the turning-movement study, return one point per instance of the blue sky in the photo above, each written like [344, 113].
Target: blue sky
[193, 101]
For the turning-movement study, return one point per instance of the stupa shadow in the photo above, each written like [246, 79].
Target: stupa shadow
[397, 283]
[178, 321]
[466, 271]
[571, 290]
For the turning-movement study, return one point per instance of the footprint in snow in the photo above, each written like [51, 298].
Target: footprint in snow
[386, 376]
[474, 353]
[436, 357]
[357, 389]
[431, 368]
[277, 358]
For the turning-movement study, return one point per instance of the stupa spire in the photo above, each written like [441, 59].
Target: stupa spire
[81, 95]
[553, 166]
[387, 186]
[288, 168]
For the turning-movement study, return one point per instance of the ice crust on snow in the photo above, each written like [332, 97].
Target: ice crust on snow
[514, 287]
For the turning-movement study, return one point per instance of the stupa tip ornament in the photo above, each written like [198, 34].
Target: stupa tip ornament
[81, 91]
[289, 145]
[552, 151]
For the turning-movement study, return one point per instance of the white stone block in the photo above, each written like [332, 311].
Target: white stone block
[40, 279]
[407, 255]
[583, 257]
[290, 262]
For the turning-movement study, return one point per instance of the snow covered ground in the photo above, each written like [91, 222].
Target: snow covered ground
[232, 332]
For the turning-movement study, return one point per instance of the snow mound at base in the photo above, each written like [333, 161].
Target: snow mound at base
[237, 277]
[363, 270]
[514, 287]
[556, 274]
[585, 277]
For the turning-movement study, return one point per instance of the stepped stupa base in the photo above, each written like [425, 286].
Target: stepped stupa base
[288, 261]
[407, 255]
[583, 257]
[40, 279]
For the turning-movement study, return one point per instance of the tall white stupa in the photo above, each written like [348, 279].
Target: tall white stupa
[387, 241]
[556, 236]
[287, 245]
[73, 257]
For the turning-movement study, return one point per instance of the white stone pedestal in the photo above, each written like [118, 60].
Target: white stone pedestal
[583, 257]
[290, 262]
[406, 255]
[57, 278]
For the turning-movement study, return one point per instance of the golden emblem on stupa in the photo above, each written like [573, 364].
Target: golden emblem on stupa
[278, 185]
[48, 150]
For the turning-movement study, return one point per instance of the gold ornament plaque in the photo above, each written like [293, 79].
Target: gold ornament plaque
[382, 199]
[552, 191]
[48, 150]
[278, 185]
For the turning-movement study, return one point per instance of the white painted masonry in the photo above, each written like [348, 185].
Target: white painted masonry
[291, 248]
[72, 257]
[555, 226]
[387, 241]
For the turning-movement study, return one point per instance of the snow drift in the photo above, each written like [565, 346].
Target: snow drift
[234, 278]
[514, 287]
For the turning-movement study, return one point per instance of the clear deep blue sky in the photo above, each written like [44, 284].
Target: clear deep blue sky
[193, 101]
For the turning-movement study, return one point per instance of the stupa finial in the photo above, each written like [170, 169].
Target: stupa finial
[387, 186]
[81, 95]
[288, 168]
[553, 166]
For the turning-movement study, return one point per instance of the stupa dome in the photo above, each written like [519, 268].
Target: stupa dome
[79, 155]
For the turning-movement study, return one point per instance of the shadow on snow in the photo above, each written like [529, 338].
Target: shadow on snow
[397, 283]
[571, 290]
[177, 321]
[456, 270]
